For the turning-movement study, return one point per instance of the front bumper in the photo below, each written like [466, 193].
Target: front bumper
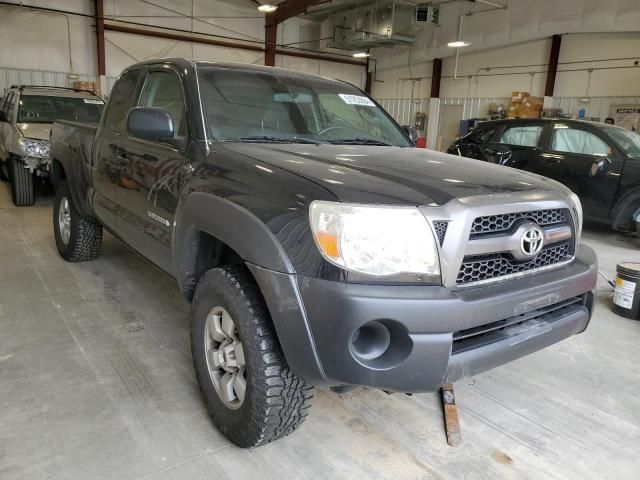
[434, 335]
[40, 165]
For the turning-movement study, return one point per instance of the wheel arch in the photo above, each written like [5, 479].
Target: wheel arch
[60, 172]
[625, 207]
[212, 232]
[208, 226]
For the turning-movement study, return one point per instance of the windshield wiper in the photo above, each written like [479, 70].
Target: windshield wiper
[359, 141]
[268, 139]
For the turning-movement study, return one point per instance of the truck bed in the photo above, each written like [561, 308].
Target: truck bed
[71, 145]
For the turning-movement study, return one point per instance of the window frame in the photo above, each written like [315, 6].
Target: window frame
[136, 92]
[142, 83]
[581, 129]
[5, 101]
[10, 105]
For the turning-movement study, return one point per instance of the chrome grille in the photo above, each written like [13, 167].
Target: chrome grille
[475, 269]
[441, 230]
[482, 240]
[502, 223]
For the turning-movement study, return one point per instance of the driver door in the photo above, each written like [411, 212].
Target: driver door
[584, 161]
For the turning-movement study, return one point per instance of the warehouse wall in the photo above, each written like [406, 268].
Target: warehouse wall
[218, 17]
[578, 52]
[526, 27]
[38, 40]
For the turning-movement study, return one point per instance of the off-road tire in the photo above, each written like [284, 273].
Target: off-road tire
[276, 400]
[85, 238]
[4, 170]
[22, 191]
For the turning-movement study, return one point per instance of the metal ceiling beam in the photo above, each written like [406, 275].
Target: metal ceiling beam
[292, 8]
[286, 10]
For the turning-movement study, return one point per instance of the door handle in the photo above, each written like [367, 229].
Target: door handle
[491, 151]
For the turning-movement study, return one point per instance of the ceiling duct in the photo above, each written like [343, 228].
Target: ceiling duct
[375, 24]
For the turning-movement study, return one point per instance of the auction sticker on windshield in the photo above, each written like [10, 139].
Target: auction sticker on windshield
[356, 100]
[93, 100]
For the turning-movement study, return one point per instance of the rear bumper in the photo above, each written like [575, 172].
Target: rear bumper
[434, 335]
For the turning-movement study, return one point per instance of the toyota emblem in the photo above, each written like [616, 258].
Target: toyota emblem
[532, 241]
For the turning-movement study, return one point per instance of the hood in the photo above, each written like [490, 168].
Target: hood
[39, 131]
[392, 175]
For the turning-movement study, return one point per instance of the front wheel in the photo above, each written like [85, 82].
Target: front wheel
[78, 238]
[4, 170]
[250, 392]
[22, 191]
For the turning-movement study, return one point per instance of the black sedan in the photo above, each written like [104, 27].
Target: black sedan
[599, 162]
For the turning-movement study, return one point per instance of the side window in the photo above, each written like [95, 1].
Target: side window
[5, 102]
[522, 135]
[163, 89]
[572, 140]
[121, 100]
[10, 106]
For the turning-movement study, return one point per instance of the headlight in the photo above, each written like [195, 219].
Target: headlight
[373, 240]
[577, 206]
[35, 148]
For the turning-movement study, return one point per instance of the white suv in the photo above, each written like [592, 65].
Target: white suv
[26, 115]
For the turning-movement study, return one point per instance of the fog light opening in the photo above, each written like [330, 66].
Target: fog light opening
[371, 340]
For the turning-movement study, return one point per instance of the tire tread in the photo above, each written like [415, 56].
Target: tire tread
[285, 399]
[22, 188]
[86, 235]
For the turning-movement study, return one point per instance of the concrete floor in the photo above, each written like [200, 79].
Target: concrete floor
[96, 382]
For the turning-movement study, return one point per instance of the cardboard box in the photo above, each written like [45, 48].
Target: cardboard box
[534, 102]
[86, 86]
[519, 97]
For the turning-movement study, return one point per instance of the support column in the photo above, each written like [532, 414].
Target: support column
[554, 56]
[436, 77]
[368, 79]
[99, 11]
[270, 39]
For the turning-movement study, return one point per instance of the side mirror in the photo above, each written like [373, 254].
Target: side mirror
[3, 117]
[150, 123]
[412, 132]
[600, 167]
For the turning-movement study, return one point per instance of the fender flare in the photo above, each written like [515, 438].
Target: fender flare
[60, 171]
[252, 240]
[231, 224]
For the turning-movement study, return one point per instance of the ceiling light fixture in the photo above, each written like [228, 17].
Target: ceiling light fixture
[267, 8]
[458, 44]
[361, 54]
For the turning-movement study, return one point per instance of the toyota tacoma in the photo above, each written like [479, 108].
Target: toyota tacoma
[316, 245]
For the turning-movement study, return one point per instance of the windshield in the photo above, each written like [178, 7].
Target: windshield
[244, 106]
[47, 109]
[629, 141]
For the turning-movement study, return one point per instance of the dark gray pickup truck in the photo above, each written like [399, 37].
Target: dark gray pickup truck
[316, 245]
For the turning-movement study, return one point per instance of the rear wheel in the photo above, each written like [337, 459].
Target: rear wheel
[78, 238]
[22, 191]
[250, 392]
